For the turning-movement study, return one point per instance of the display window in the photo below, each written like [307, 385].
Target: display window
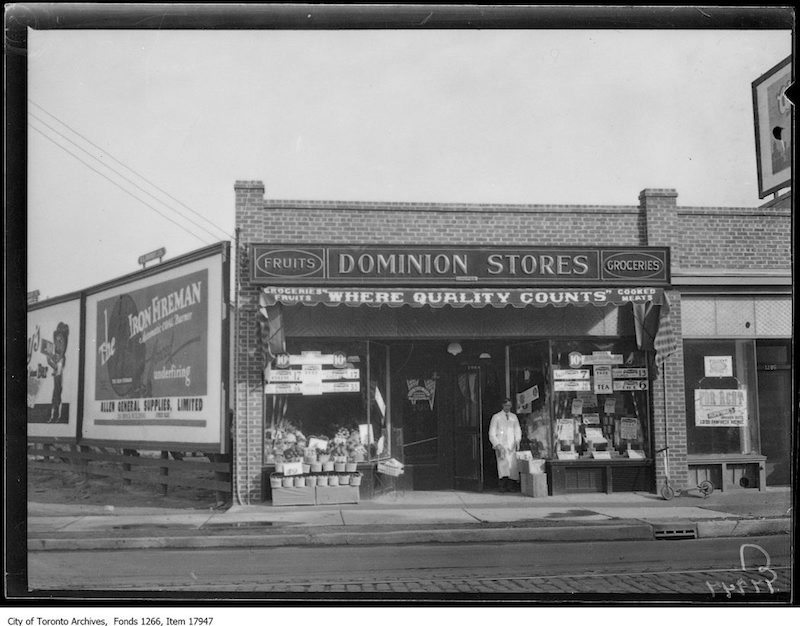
[582, 399]
[327, 399]
[721, 398]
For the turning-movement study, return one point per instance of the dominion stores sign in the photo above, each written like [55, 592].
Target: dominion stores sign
[389, 265]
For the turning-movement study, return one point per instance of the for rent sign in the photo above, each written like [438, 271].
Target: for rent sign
[720, 407]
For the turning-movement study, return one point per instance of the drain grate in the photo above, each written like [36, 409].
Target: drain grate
[675, 530]
[228, 525]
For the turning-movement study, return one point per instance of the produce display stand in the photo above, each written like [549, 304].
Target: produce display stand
[343, 494]
[292, 496]
[316, 494]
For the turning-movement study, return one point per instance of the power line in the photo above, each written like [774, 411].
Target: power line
[125, 178]
[87, 140]
[135, 197]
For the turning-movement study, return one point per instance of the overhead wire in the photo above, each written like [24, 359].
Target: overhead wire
[134, 196]
[125, 178]
[130, 169]
[237, 487]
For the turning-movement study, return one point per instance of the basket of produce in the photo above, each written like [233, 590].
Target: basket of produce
[355, 479]
[392, 467]
[275, 480]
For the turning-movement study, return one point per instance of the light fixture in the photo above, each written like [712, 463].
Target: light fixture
[485, 355]
[454, 348]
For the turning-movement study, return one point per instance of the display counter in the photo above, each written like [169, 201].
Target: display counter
[728, 471]
[599, 475]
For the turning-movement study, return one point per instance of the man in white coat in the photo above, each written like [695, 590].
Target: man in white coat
[505, 435]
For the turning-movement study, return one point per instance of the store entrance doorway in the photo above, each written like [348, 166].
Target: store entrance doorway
[444, 394]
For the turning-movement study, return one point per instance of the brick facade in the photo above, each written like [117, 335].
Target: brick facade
[699, 238]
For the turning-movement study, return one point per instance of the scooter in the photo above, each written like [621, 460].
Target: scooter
[668, 491]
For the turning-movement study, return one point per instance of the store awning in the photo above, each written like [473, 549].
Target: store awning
[650, 305]
[459, 298]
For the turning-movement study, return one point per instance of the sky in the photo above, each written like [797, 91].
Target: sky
[135, 138]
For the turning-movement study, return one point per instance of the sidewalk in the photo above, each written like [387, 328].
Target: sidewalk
[415, 517]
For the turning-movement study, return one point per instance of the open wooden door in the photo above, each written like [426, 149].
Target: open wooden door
[468, 428]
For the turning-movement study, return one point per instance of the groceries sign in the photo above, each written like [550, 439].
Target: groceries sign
[358, 265]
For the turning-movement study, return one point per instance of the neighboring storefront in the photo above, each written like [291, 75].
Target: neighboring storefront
[394, 331]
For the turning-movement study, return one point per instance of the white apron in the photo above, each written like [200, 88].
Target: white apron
[505, 432]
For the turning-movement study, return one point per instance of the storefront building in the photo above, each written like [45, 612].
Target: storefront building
[378, 331]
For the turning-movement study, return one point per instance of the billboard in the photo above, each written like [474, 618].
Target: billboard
[155, 355]
[53, 371]
[773, 124]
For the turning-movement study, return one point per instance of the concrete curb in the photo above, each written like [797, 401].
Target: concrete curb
[743, 527]
[635, 531]
[616, 532]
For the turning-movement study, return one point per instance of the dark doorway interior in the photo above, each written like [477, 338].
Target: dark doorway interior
[774, 408]
[443, 395]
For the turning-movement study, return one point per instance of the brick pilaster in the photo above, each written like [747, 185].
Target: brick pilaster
[660, 214]
[249, 407]
[669, 407]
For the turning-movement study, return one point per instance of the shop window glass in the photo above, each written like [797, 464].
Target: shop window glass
[418, 400]
[600, 399]
[721, 406]
[333, 402]
[530, 389]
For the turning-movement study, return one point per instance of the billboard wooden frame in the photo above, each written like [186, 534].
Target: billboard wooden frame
[77, 342]
[222, 445]
[770, 181]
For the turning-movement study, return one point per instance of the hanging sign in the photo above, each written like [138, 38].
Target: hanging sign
[421, 390]
[571, 385]
[628, 428]
[631, 385]
[718, 366]
[296, 376]
[602, 379]
[311, 376]
[571, 374]
[565, 429]
[720, 407]
[629, 372]
[349, 386]
[602, 358]
[525, 399]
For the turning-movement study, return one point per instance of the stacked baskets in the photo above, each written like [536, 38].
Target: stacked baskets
[318, 474]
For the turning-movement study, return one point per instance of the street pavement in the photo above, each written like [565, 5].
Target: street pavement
[415, 517]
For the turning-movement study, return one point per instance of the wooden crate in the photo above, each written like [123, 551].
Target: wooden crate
[290, 496]
[343, 494]
[533, 485]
